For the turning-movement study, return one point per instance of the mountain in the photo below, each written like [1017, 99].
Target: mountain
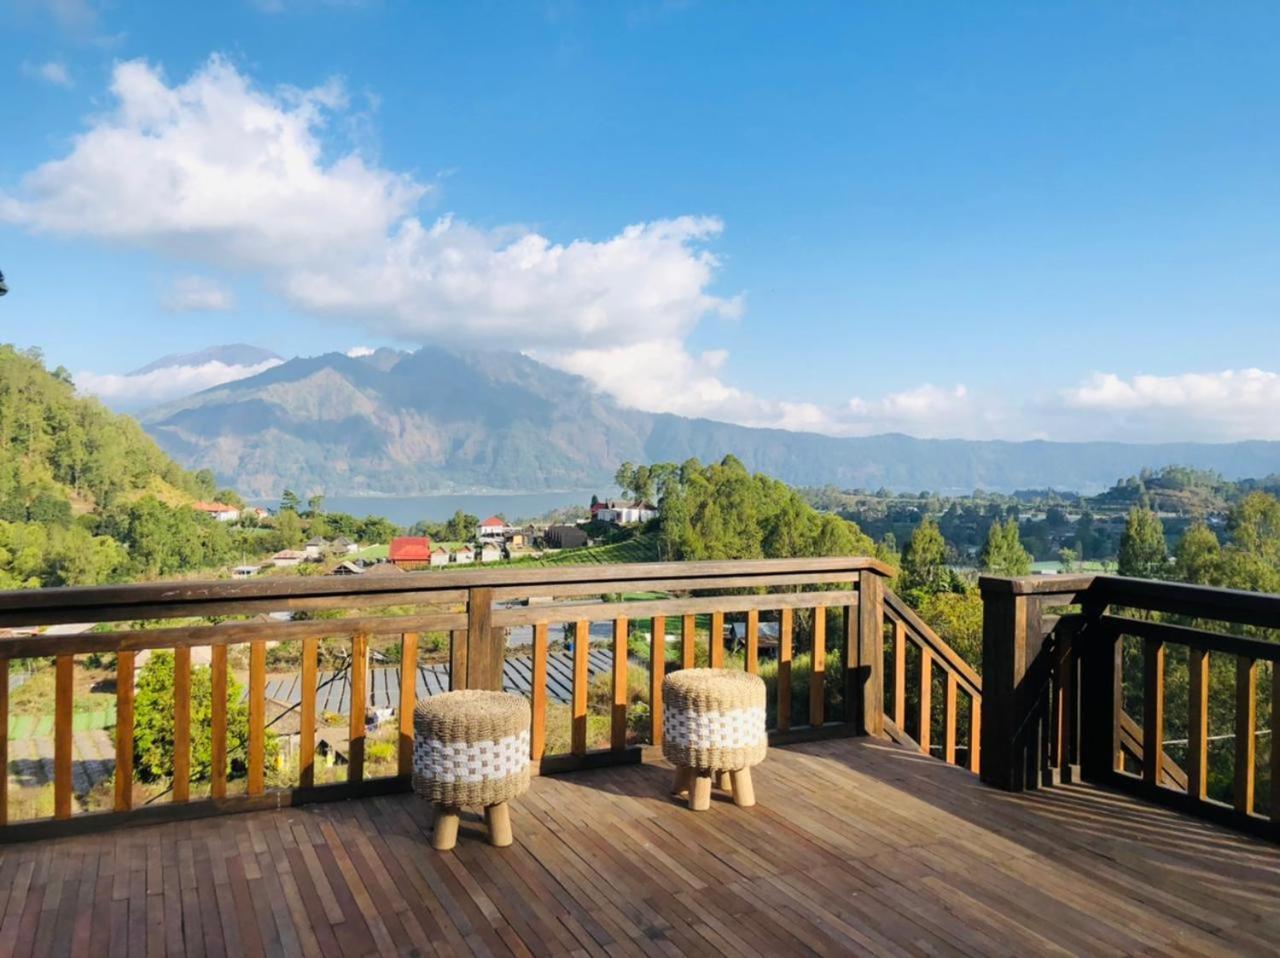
[436, 421]
[235, 354]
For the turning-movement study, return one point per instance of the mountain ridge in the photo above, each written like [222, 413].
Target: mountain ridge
[439, 421]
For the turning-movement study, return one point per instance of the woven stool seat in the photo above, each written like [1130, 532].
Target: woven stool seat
[713, 719]
[471, 748]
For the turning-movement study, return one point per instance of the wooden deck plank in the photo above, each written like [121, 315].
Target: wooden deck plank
[910, 857]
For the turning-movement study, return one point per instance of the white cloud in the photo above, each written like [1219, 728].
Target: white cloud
[198, 293]
[53, 71]
[1213, 406]
[169, 382]
[217, 171]
[356, 352]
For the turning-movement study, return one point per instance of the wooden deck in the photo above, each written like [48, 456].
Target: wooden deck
[855, 847]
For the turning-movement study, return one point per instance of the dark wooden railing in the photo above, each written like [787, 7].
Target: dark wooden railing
[1060, 653]
[799, 600]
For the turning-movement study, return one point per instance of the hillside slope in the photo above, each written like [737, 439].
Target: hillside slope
[435, 421]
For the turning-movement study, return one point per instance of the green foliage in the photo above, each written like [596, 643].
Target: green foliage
[1004, 554]
[924, 561]
[289, 529]
[957, 618]
[1142, 547]
[1198, 556]
[153, 723]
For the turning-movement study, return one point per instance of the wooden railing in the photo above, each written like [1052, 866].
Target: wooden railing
[1062, 690]
[828, 616]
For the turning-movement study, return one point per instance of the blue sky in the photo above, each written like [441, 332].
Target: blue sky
[1004, 220]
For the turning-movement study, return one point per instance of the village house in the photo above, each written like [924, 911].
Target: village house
[439, 557]
[520, 538]
[288, 557]
[490, 552]
[464, 556]
[217, 510]
[495, 527]
[315, 548]
[348, 568]
[410, 552]
[343, 546]
[623, 513]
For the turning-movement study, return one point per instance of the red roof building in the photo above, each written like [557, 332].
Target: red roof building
[410, 550]
[493, 522]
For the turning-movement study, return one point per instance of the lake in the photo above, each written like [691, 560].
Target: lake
[406, 510]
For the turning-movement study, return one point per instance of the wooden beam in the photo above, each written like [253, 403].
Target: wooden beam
[949, 719]
[359, 704]
[618, 717]
[865, 698]
[481, 654]
[458, 660]
[581, 647]
[307, 714]
[182, 724]
[538, 694]
[124, 732]
[1198, 725]
[785, 628]
[899, 673]
[715, 641]
[688, 637]
[257, 714]
[657, 672]
[753, 641]
[63, 708]
[1153, 712]
[925, 736]
[218, 722]
[408, 699]
[818, 669]
[975, 734]
[1246, 712]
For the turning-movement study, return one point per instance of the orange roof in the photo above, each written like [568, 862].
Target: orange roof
[493, 521]
[410, 549]
[212, 507]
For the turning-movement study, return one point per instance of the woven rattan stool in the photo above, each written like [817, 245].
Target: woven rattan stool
[471, 748]
[713, 723]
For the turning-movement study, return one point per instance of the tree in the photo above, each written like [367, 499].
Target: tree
[289, 500]
[1252, 558]
[289, 529]
[924, 561]
[1003, 553]
[153, 723]
[1067, 559]
[315, 504]
[1198, 556]
[957, 618]
[461, 527]
[1142, 546]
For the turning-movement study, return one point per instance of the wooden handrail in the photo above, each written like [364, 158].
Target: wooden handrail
[946, 655]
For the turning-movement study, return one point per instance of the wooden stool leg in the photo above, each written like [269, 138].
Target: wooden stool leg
[700, 794]
[744, 795]
[722, 781]
[498, 818]
[684, 778]
[445, 834]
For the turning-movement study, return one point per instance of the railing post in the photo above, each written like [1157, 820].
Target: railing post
[864, 686]
[1100, 696]
[477, 664]
[1015, 693]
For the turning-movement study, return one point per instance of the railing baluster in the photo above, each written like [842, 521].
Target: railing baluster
[926, 700]
[1153, 712]
[657, 671]
[408, 695]
[785, 621]
[182, 723]
[1198, 725]
[124, 731]
[257, 713]
[688, 637]
[1246, 709]
[899, 674]
[818, 669]
[458, 660]
[1275, 741]
[975, 733]
[538, 695]
[753, 641]
[4, 742]
[715, 641]
[949, 719]
[618, 718]
[359, 702]
[307, 714]
[64, 687]
[581, 646]
[218, 721]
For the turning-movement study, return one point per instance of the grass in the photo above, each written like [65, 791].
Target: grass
[642, 548]
[372, 552]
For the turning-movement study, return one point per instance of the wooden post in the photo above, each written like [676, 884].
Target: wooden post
[538, 695]
[124, 731]
[753, 641]
[1246, 729]
[357, 706]
[485, 644]
[581, 648]
[688, 637]
[307, 714]
[257, 714]
[4, 742]
[865, 696]
[408, 697]
[1016, 685]
[64, 679]
[218, 722]
[1153, 712]
[618, 717]
[785, 620]
[1198, 725]
[899, 673]
[657, 671]
[1100, 698]
[818, 669]
[715, 641]
[182, 723]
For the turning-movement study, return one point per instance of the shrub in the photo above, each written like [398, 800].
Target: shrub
[153, 723]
